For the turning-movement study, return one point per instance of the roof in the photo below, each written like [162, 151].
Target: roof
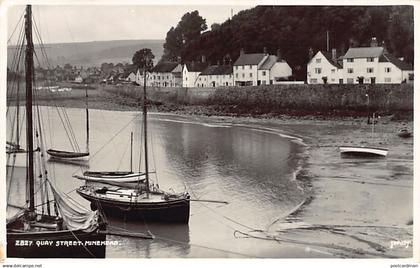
[196, 66]
[218, 70]
[337, 63]
[364, 52]
[164, 67]
[402, 65]
[249, 59]
[268, 63]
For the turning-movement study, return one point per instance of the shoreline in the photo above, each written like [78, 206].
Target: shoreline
[360, 229]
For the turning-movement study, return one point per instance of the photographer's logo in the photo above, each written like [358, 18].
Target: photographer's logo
[400, 244]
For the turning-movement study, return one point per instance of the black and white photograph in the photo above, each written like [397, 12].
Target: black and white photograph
[220, 131]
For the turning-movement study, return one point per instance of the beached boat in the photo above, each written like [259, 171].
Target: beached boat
[145, 201]
[364, 151]
[49, 224]
[404, 133]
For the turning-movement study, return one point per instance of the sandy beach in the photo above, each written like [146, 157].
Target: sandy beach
[358, 208]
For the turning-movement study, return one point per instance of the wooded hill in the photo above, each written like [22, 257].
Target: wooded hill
[295, 29]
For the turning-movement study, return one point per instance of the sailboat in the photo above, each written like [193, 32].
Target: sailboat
[144, 201]
[364, 151]
[50, 224]
[73, 155]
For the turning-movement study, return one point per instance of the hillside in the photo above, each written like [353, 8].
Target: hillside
[94, 53]
[295, 29]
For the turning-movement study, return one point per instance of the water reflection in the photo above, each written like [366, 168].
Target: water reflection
[249, 168]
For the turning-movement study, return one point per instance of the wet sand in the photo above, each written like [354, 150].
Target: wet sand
[358, 208]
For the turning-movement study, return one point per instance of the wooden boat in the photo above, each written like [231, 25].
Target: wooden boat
[404, 133]
[146, 201]
[363, 151]
[66, 154]
[74, 155]
[50, 224]
[133, 178]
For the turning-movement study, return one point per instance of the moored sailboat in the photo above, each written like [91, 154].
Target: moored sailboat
[144, 201]
[50, 224]
[74, 155]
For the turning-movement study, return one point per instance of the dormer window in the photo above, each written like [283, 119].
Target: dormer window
[350, 60]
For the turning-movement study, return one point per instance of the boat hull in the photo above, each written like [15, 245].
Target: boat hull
[363, 151]
[84, 244]
[67, 155]
[176, 211]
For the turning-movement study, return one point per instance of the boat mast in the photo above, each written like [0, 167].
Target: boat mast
[87, 122]
[29, 65]
[145, 124]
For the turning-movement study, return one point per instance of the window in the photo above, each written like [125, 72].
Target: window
[243, 75]
[332, 80]
[236, 75]
[332, 71]
[369, 59]
[350, 81]
[318, 70]
[250, 66]
[243, 67]
[199, 79]
[313, 81]
[387, 69]
[318, 60]
[236, 67]
[350, 70]
[370, 70]
[387, 79]
[250, 74]
[350, 60]
[263, 73]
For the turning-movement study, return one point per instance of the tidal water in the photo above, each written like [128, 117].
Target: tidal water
[250, 167]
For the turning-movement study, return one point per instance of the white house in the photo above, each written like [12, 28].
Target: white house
[325, 67]
[259, 69]
[166, 74]
[216, 76]
[140, 78]
[191, 72]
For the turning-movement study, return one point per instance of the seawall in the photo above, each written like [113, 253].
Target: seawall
[282, 99]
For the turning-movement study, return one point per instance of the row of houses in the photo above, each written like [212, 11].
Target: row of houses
[359, 65]
[248, 70]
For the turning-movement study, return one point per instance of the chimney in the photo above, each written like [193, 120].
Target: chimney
[373, 42]
[401, 58]
[178, 60]
[279, 55]
[265, 50]
[310, 53]
[242, 52]
[203, 58]
[334, 54]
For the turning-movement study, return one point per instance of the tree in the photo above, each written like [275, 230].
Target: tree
[67, 66]
[143, 58]
[187, 31]
[215, 26]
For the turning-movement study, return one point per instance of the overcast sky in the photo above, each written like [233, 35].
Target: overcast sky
[110, 22]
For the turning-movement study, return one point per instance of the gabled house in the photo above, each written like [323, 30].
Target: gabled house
[216, 76]
[325, 67]
[374, 65]
[259, 69]
[191, 71]
[166, 74]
